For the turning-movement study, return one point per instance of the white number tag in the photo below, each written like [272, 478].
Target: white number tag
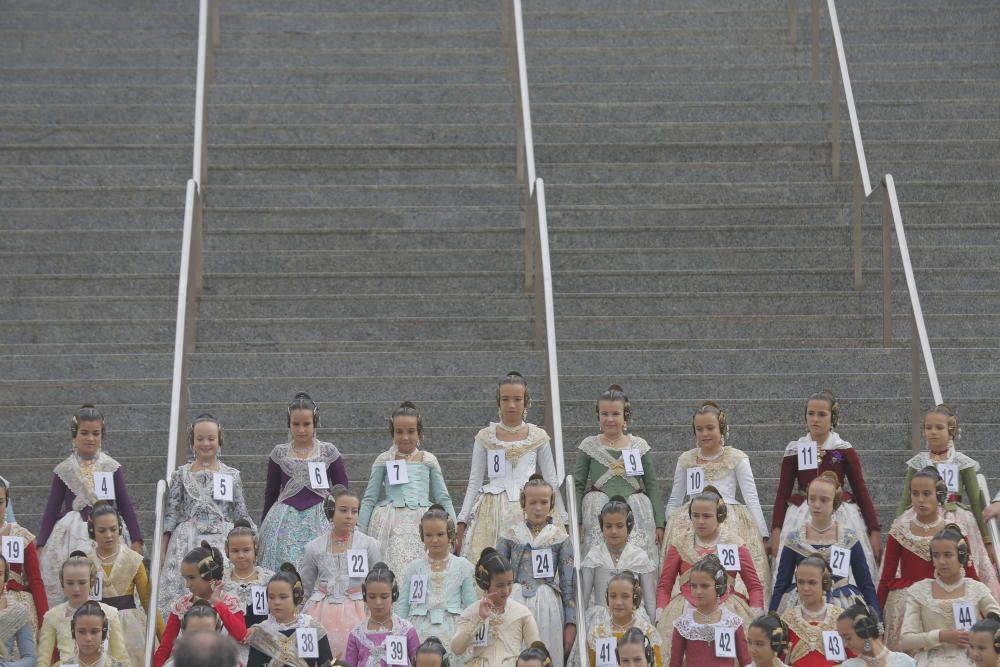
[418, 589]
[482, 635]
[97, 592]
[949, 473]
[633, 462]
[807, 456]
[13, 549]
[397, 472]
[496, 463]
[725, 643]
[965, 616]
[604, 650]
[729, 556]
[833, 647]
[222, 487]
[695, 480]
[258, 594]
[104, 485]
[840, 561]
[306, 642]
[357, 563]
[395, 650]
[317, 475]
[541, 564]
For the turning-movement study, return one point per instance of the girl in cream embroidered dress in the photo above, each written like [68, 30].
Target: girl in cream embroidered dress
[927, 617]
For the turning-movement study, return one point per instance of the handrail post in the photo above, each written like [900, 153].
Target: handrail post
[886, 215]
[216, 39]
[984, 489]
[815, 40]
[856, 219]
[156, 563]
[533, 243]
[916, 418]
[835, 120]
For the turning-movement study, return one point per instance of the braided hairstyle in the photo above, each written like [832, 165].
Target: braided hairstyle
[953, 533]
[88, 412]
[406, 409]
[617, 505]
[827, 396]
[991, 626]
[863, 620]
[209, 561]
[380, 573]
[432, 646]
[289, 575]
[537, 481]
[775, 630]
[954, 430]
[535, 653]
[712, 408]
[243, 528]
[89, 608]
[712, 495]
[437, 512]
[201, 609]
[302, 401]
[830, 477]
[819, 562]
[632, 579]
[103, 508]
[615, 393]
[336, 493]
[491, 564]
[204, 417]
[940, 487]
[712, 566]
[635, 636]
[515, 378]
[78, 558]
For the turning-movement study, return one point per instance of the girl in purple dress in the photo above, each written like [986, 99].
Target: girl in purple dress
[367, 645]
[87, 476]
[295, 489]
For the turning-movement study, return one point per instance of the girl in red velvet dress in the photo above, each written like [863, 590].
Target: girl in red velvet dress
[24, 580]
[813, 615]
[696, 637]
[832, 453]
[908, 549]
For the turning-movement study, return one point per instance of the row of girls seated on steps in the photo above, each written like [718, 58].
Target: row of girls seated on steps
[207, 502]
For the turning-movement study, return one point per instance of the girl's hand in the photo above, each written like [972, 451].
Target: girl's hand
[775, 543]
[569, 638]
[459, 539]
[954, 637]
[876, 540]
[659, 536]
[486, 606]
[137, 547]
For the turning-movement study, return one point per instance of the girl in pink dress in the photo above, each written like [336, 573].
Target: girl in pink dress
[707, 634]
[367, 645]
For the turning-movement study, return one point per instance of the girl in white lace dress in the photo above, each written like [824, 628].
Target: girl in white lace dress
[862, 633]
[505, 454]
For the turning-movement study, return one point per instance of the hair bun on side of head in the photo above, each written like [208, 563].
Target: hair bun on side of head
[76, 553]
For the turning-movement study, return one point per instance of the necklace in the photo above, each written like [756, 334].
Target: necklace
[927, 526]
[510, 429]
[438, 565]
[621, 628]
[875, 659]
[341, 540]
[382, 625]
[250, 577]
[714, 457]
[615, 553]
[304, 453]
[822, 531]
[400, 456]
[613, 444]
[706, 618]
[105, 559]
[943, 454]
[949, 588]
[705, 545]
[810, 615]
[100, 657]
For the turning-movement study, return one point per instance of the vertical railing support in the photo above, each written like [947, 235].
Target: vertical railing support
[886, 219]
[857, 213]
[835, 121]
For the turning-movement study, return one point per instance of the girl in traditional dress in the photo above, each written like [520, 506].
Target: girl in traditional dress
[89, 627]
[536, 655]
[822, 533]
[929, 623]
[907, 557]
[73, 494]
[767, 640]
[495, 629]
[634, 649]
[984, 643]
[273, 640]
[23, 581]
[243, 575]
[862, 634]
[333, 569]
[16, 634]
[432, 653]
[201, 570]
[366, 645]
[78, 576]
[819, 451]
[601, 473]
[621, 613]
[725, 468]
[441, 580]
[506, 453]
[541, 555]
[812, 615]
[707, 513]
[696, 633]
[616, 555]
[412, 481]
[941, 430]
[121, 574]
[199, 506]
[293, 498]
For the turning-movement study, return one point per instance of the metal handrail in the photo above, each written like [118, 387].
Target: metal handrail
[984, 490]
[861, 191]
[156, 561]
[581, 609]
[189, 288]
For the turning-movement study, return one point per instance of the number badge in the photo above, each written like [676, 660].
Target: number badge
[496, 463]
[633, 462]
[97, 592]
[482, 635]
[357, 563]
[695, 480]
[541, 564]
[307, 642]
[418, 589]
[604, 651]
[807, 456]
[949, 473]
[395, 651]
[964, 614]
[833, 647]
[13, 549]
[725, 643]
[258, 594]
[317, 475]
[222, 487]
[840, 561]
[104, 485]
[729, 556]
[397, 473]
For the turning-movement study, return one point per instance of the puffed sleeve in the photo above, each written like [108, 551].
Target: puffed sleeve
[336, 472]
[852, 468]
[547, 466]
[371, 495]
[789, 469]
[272, 487]
[887, 571]
[652, 489]
[125, 506]
[476, 471]
[863, 577]
[677, 491]
[912, 636]
[748, 487]
[971, 484]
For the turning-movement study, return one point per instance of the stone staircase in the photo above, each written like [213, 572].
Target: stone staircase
[95, 145]
[701, 250]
